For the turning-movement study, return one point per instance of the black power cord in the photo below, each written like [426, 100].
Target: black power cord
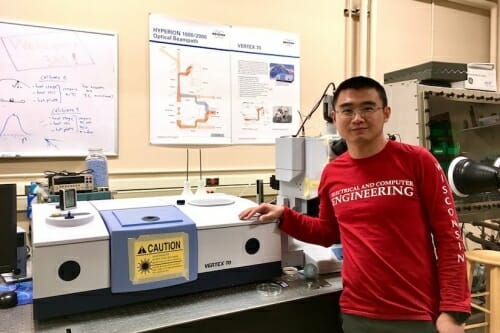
[394, 136]
[315, 107]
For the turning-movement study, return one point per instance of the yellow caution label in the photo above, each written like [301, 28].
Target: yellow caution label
[310, 185]
[158, 257]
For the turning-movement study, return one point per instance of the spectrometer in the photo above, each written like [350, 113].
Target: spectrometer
[122, 251]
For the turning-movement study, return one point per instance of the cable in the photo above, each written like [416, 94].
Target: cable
[315, 107]
[301, 119]
[392, 137]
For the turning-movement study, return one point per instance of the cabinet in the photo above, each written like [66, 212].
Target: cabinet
[450, 122]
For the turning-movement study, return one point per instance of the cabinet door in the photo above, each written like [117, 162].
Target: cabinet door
[461, 122]
[405, 118]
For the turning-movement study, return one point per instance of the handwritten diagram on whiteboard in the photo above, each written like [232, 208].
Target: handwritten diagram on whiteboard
[57, 91]
[219, 84]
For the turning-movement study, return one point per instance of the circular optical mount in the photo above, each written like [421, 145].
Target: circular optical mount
[497, 163]
[457, 163]
[468, 177]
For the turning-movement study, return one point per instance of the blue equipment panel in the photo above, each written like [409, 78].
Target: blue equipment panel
[151, 247]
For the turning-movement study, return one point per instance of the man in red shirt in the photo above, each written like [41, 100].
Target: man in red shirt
[390, 206]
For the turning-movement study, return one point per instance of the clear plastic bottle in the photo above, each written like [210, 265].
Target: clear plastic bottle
[98, 163]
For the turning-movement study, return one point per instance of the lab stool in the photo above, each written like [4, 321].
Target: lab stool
[491, 262]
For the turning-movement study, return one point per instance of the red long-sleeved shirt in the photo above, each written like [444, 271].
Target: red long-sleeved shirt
[387, 210]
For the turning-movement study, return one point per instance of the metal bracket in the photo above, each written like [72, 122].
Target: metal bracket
[356, 12]
[352, 12]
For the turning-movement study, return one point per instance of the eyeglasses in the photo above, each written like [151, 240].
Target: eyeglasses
[363, 111]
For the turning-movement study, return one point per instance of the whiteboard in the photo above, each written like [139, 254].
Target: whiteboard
[58, 91]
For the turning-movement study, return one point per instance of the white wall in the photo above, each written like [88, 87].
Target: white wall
[404, 33]
[410, 33]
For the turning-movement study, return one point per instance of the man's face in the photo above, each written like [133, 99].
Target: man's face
[359, 115]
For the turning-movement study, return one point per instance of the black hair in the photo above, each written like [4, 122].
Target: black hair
[360, 82]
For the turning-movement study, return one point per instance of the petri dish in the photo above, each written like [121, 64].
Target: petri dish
[211, 201]
[269, 289]
[290, 273]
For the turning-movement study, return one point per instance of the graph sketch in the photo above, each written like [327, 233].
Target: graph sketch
[58, 91]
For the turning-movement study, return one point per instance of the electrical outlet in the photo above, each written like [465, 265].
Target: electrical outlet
[214, 181]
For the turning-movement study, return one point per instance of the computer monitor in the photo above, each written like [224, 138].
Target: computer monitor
[8, 228]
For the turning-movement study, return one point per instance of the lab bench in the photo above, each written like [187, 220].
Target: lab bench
[301, 306]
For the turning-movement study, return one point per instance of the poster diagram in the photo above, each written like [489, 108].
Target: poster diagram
[264, 73]
[189, 103]
[215, 84]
